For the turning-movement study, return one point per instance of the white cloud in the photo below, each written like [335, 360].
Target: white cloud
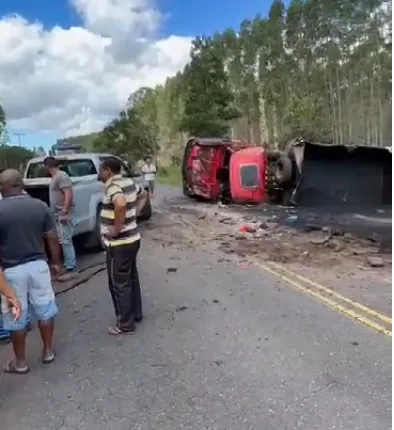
[74, 80]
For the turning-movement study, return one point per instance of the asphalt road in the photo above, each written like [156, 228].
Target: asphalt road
[222, 347]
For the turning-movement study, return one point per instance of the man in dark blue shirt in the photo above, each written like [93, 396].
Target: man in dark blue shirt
[25, 224]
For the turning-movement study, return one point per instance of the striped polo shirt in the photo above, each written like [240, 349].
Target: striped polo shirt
[130, 232]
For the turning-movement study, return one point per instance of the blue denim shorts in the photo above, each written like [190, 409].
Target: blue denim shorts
[32, 284]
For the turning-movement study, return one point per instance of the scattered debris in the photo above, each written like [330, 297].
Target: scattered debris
[245, 228]
[375, 261]
[227, 220]
[215, 301]
[336, 245]
[312, 227]
[243, 265]
[182, 308]
[172, 270]
[321, 240]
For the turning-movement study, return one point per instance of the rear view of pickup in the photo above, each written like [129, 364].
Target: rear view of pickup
[83, 171]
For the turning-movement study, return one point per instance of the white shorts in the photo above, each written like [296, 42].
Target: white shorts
[33, 286]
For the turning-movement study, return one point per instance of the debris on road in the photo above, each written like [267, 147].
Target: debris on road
[375, 261]
[172, 270]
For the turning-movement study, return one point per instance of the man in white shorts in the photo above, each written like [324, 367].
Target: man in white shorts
[25, 224]
[149, 172]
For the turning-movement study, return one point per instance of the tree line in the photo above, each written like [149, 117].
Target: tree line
[317, 69]
[14, 156]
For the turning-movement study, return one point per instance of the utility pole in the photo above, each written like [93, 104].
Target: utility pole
[19, 135]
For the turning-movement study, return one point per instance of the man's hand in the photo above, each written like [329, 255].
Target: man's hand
[64, 217]
[15, 305]
[112, 233]
[56, 270]
[9, 293]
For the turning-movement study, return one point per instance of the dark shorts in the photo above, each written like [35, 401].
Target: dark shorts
[151, 185]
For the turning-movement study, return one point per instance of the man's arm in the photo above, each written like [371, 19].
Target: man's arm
[8, 292]
[120, 208]
[51, 239]
[66, 187]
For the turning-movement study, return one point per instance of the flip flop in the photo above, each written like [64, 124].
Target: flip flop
[115, 331]
[10, 367]
[49, 359]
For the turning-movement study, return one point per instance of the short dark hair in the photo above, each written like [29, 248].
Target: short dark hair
[113, 164]
[51, 162]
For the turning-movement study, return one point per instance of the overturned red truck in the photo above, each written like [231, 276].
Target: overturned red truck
[305, 173]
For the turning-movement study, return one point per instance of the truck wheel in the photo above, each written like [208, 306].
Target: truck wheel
[96, 239]
[146, 213]
[283, 170]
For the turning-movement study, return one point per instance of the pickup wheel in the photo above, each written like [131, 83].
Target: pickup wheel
[97, 233]
[146, 212]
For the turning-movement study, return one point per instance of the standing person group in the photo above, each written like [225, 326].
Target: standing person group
[149, 172]
[26, 225]
[121, 236]
[29, 223]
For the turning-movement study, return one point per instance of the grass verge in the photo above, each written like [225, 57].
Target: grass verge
[170, 176]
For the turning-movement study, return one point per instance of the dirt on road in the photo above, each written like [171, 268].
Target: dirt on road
[358, 268]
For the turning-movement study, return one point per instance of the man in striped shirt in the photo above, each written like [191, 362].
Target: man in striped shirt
[122, 240]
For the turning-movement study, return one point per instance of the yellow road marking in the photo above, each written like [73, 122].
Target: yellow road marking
[329, 291]
[325, 300]
[291, 279]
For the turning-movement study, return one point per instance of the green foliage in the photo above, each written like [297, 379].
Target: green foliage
[14, 157]
[3, 127]
[170, 175]
[127, 136]
[320, 69]
[208, 101]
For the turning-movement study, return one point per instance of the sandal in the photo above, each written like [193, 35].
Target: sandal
[116, 331]
[48, 359]
[10, 367]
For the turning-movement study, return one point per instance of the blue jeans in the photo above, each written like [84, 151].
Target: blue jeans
[65, 232]
[33, 287]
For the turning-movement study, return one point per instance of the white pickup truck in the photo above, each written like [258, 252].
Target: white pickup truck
[83, 170]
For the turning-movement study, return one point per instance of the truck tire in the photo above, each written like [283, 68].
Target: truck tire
[283, 170]
[98, 240]
[146, 212]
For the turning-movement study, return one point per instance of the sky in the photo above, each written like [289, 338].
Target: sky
[68, 66]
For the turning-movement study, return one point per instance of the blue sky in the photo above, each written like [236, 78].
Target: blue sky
[183, 18]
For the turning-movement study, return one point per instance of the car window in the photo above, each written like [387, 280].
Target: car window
[249, 176]
[73, 168]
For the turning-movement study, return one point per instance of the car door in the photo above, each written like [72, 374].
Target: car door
[88, 193]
